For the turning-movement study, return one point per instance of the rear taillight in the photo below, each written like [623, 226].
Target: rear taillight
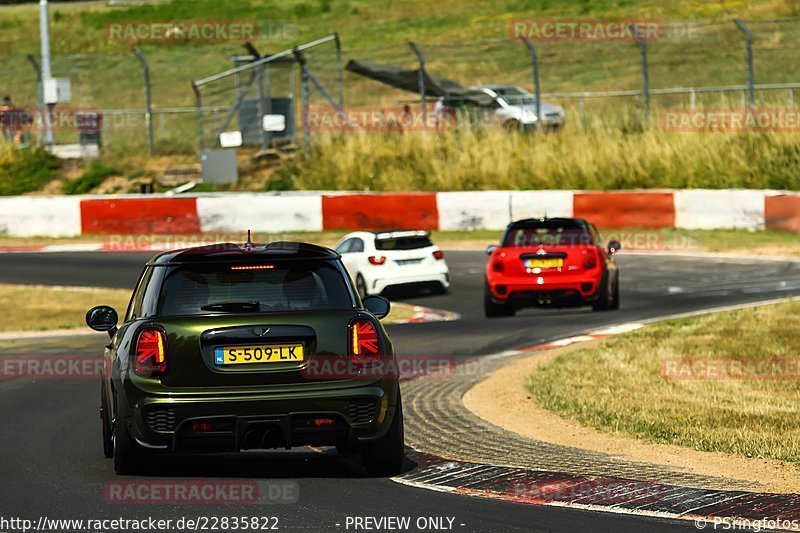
[497, 261]
[365, 346]
[438, 254]
[590, 262]
[151, 353]
[377, 259]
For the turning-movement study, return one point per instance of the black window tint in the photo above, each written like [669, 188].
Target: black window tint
[357, 246]
[277, 287]
[547, 232]
[403, 243]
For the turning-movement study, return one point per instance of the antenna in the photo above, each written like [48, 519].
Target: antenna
[249, 244]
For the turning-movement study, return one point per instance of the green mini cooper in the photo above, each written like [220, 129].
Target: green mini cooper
[226, 348]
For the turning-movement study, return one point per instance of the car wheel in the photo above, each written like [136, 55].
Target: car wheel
[361, 286]
[438, 288]
[385, 456]
[127, 457]
[615, 301]
[511, 125]
[494, 310]
[108, 442]
[603, 303]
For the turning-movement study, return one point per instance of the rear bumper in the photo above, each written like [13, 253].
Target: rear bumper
[534, 290]
[378, 285]
[220, 423]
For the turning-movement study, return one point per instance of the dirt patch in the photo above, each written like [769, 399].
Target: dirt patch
[502, 400]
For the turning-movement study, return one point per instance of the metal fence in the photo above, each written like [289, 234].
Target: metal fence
[694, 64]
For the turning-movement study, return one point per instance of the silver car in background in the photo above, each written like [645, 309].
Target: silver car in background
[514, 108]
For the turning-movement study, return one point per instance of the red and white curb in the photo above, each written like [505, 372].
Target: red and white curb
[605, 494]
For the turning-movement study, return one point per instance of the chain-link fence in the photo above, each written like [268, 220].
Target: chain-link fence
[608, 81]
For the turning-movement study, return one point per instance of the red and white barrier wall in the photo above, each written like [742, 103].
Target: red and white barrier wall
[61, 216]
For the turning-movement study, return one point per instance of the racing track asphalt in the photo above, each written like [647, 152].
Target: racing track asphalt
[52, 465]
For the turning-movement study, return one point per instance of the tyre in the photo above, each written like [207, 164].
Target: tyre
[511, 124]
[615, 301]
[361, 286]
[494, 310]
[385, 456]
[127, 456]
[105, 420]
[438, 288]
[603, 303]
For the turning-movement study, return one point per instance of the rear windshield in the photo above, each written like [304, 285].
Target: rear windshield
[548, 233]
[403, 243]
[257, 288]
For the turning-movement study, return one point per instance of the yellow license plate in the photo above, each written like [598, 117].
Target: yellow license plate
[248, 355]
[556, 262]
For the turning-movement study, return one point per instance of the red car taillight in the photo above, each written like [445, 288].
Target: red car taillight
[497, 265]
[151, 353]
[591, 261]
[364, 343]
[377, 259]
[438, 254]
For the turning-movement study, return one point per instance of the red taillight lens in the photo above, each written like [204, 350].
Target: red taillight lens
[497, 265]
[438, 254]
[364, 343]
[151, 353]
[590, 262]
[377, 259]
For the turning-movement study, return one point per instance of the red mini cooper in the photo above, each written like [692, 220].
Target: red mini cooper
[559, 262]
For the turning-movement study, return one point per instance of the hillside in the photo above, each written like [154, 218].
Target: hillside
[465, 40]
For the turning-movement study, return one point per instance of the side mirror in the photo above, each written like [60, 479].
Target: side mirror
[102, 318]
[490, 250]
[377, 305]
[614, 247]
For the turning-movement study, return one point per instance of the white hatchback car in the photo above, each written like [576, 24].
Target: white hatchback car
[378, 260]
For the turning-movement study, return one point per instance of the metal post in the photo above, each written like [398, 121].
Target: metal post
[339, 71]
[199, 107]
[791, 98]
[645, 73]
[536, 87]
[421, 80]
[39, 92]
[751, 82]
[260, 107]
[304, 80]
[148, 101]
[47, 73]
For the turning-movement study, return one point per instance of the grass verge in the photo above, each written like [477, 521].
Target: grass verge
[773, 243]
[634, 384]
[41, 308]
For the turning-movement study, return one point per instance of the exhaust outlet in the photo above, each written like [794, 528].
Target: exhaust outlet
[252, 439]
[272, 438]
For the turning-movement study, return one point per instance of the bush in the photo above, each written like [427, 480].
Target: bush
[25, 170]
[94, 176]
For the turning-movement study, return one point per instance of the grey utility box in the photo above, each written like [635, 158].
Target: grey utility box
[219, 166]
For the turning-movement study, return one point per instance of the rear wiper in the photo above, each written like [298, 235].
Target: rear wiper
[232, 307]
